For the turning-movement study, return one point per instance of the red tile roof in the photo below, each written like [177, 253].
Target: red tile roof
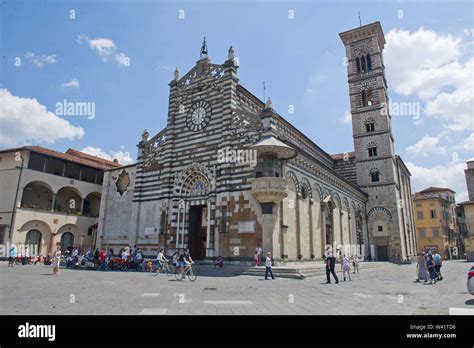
[435, 189]
[72, 155]
[339, 156]
[89, 157]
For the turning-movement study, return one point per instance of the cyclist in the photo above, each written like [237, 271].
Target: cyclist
[174, 261]
[181, 261]
[187, 259]
[161, 258]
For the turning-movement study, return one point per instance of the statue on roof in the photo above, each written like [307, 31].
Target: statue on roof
[176, 74]
[268, 104]
[231, 54]
[145, 135]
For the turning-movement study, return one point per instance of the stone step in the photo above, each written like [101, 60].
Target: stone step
[302, 271]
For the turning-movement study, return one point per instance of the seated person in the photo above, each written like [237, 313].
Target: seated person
[219, 262]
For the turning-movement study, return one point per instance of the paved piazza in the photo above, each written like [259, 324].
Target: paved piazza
[376, 290]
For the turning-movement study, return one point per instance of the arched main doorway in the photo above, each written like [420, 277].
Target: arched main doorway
[193, 187]
[67, 240]
[33, 242]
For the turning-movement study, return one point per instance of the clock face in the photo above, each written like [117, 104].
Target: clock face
[199, 116]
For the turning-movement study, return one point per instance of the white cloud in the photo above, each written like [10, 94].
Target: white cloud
[450, 175]
[40, 61]
[105, 48]
[123, 157]
[74, 83]
[468, 144]
[25, 120]
[429, 65]
[462, 196]
[347, 118]
[426, 146]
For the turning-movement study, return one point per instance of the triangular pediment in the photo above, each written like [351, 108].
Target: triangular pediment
[203, 69]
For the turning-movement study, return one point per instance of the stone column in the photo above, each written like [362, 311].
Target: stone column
[298, 229]
[177, 228]
[208, 230]
[311, 250]
[349, 228]
[323, 229]
[270, 231]
[184, 224]
[53, 202]
[341, 226]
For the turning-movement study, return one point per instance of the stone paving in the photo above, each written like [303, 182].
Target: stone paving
[387, 289]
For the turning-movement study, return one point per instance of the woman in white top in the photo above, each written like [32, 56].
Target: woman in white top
[125, 254]
[161, 258]
[346, 267]
[56, 261]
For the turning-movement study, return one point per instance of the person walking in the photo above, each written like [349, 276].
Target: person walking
[346, 267]
[102, 259]
[421, 270]
[355, 264]
[438, 263]
[268, 266]
[25, 255]
[255, 258]
[430, 264]
[11, 256]
[56, 261]
[330, 266]
[139, 259]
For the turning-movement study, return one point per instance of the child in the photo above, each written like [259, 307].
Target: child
[219, 262]
[149, 265]
[255, 258]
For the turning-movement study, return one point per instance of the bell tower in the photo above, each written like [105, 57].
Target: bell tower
[376, 162]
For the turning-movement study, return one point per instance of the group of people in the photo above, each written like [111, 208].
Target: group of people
[428, 267]
[268, 262]
[180, 259]
[346, 268]
[23, 254]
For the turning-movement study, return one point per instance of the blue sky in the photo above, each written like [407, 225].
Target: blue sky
[428, 58]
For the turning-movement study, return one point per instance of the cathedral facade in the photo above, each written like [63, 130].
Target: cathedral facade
[229, 174]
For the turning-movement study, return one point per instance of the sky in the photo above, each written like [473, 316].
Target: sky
[119, 56]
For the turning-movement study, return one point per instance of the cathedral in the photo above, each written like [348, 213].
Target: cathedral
[228, 174]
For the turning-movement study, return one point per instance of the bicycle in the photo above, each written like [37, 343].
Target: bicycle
[190, 272]
[162, 267]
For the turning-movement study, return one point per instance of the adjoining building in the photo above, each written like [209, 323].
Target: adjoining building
[468, 210]
[436, 223]
[49, 198]
[229, 174]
